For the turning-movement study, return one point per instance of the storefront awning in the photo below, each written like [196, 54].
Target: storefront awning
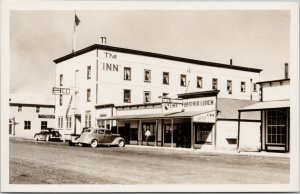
[267, 105]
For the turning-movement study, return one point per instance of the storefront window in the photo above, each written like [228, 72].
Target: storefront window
[276, 126]
[151, 128]
[203, 131]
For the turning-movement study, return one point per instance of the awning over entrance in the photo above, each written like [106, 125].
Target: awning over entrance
[156, 116]
[267, 105]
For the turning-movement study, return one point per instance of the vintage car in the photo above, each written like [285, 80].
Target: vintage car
[48, 134]
[97, 136]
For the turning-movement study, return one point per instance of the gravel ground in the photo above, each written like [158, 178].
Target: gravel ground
[57, 163]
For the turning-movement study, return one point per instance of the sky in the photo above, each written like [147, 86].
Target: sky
[257, 39]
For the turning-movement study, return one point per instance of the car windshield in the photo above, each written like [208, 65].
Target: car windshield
[86, 130]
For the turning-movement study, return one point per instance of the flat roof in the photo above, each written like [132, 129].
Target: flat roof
[156, 55]
[272, 81]
[267, 105]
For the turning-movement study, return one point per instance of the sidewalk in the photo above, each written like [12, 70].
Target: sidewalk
[227, 152]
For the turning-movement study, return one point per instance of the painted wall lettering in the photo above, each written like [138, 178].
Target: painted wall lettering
[110, 67]
[110, 55]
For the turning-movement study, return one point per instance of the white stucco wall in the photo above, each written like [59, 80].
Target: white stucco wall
[276, 91]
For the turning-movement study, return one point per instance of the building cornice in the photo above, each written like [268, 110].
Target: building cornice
[155, 55]
[28, 104]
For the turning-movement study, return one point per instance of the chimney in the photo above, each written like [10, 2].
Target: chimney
[103, 39]
[230, 61]
[286, 71]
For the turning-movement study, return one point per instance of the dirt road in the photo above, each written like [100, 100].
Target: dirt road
[57, 163]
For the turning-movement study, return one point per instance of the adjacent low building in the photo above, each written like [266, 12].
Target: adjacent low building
[29, 113]
[183, 102]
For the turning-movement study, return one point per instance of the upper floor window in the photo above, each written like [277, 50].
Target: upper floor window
[254, 87]
[19, 108]
[88, 95]
[27, 125]
[60, 79]
[37, 109]
[214, 84]
[60, 100]
[88, 120]
[165, 77]
[199, 82]
[183, 80]
[89, 72]
[147, 75]
[243, 86]
[127, 73]
[229, 86]
[127, 96]
[147, 97]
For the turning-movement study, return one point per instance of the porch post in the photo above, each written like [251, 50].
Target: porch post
[239, 126]
[156, 130]
[192, 134]
[140, 132]
[172, 133]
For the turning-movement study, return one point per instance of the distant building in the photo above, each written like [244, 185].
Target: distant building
[29, 113]
[183, 102]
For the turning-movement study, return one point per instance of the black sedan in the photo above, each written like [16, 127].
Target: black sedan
[48, 134]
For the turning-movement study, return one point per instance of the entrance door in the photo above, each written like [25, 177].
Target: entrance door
[125, 132]
[77, 127]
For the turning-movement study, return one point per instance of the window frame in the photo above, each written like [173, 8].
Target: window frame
[273, 127]
[60, 122]
[229, 84]
[124, 92]
[69, 122]
[43, 126]
[199, 78]
[27, 125]
[214, 83]
[149, 71]
[145, 92]
[89, 72]
[127, 69]
[87, 120]
[243, 89]
[183, 79]
[168, 78]
[88, 95]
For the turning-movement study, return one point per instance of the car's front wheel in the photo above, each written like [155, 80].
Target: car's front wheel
[94, 143]
[121, 143]
[36, 138]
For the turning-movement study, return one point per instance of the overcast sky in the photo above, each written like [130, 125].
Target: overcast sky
[258, 39]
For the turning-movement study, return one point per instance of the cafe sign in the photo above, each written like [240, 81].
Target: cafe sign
[209, 117]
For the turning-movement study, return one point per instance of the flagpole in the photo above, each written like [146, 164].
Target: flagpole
[74, 33]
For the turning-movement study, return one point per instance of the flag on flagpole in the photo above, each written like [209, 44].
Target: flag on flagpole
[77, 21]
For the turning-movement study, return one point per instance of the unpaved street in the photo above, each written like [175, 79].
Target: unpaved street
[57, 163]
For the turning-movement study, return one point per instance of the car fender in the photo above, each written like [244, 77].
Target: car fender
[117, 139]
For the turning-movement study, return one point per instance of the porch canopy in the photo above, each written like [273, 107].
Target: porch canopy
[266, 105]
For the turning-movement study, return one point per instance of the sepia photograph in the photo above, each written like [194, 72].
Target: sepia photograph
[149, 96]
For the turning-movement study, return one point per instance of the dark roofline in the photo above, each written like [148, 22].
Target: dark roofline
[156, 55]
[199, 94]
[272, 81]
[28, 104]
[104, 106]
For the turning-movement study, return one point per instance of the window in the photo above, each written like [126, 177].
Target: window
[243, 86]
[276, 126]
[147, 75]
[183, 80]
[229, 86]
[147, 97]
[165, 78]
[37, 109]
[19, 108]
[101, 123]
[69, 122]
[60, 122]
[60, 79]
[199, 82]
[165, 94]
[254, 87]
[27, 125]
[88, 72]
[203, 132]
[87, 120]
[88, 95]
[127, 73]
[60, 100]
[127, 96]
[214, 84]
[44, 124]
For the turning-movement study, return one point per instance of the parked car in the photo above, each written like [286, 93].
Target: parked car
[48, 134]
[97, 136]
